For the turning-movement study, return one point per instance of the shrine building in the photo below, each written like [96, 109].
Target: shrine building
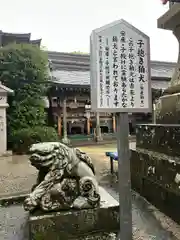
[71, 86]
[69, 102]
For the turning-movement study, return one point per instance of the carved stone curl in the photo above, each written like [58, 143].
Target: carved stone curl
[66, 178]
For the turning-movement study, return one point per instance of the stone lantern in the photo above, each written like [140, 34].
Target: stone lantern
[155, 163]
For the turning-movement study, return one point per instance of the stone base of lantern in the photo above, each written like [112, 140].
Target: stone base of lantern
[168, 109]
[155, 166]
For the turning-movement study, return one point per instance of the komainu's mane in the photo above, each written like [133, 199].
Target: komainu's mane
[85, 158]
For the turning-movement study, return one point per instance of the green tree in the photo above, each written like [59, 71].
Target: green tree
[23, 68]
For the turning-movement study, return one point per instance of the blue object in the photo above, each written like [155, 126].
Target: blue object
[112, 156]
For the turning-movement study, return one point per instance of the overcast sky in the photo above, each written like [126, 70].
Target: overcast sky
[65, 25]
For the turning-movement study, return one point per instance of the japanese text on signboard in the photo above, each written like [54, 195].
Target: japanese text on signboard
[122, 70]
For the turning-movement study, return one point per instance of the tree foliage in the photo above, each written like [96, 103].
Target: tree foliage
[23, 68]
[23, 138]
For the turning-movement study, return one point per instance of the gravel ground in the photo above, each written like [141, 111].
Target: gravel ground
[18, 176]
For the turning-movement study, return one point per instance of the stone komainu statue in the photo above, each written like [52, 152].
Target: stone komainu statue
[66, 178]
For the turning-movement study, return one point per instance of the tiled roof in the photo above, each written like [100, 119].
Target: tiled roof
[161, 71]
[159, 84]
[83, 78]
[73, 69]
[7, 38]
[72, 77]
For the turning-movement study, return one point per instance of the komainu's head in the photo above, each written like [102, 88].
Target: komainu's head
[47, 154]
[57, 155]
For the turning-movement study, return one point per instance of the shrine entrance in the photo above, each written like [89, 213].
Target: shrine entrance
[104, 129]
[76, 127]
[76, 130]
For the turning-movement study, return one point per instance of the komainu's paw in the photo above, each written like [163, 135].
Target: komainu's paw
[29, 204]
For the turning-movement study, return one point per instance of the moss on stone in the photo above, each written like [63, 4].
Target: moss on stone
[91, 236]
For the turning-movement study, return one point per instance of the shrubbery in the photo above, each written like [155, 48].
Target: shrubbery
[22, 139]
[24, 68]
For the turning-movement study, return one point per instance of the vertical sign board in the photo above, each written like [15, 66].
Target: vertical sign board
[120, 83]
[120, 69]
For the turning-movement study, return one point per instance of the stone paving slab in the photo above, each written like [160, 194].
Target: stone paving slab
[13, 223]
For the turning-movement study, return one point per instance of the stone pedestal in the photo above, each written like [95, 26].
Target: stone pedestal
[98, 223]
[3, 122]
[168, 109]
[155, 164]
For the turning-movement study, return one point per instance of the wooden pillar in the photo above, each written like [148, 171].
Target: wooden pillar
[114, 123]
[98, 128]
[88, 122]
[65, 138]
[59, 126]
[88, 126]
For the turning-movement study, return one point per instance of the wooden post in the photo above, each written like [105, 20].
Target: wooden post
[114, 123]
[88, 126]
[59, 126]
[98, 128]
[65, 138]
[88, 122]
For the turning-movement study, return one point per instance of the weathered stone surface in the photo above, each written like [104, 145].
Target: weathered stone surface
[136, 171]
[66, 179]
[159, 168]
[158, 146]
[163, 138]
[158, 179]
[74, 223]
[168, 108]
[99, 236]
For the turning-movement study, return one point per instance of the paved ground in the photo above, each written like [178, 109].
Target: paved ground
[18, 176]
